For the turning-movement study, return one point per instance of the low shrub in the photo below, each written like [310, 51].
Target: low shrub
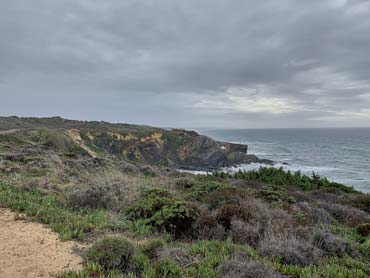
[248, 210]
[160, 209]
[54, 140]
[224, 196]
[346, 215]
[96, 196]
[289, 249]
[112, 253]
[201, 189]
[206, 226]
[275, 196]
[243, 232]
[74, 150]
[331, 244]
[363, 229]
[361, 201]
[279, 177]
[152, 247]
[308, 214]
[184, 183]
[245, 269]
[300, 196]
[227, 213]
[278, 221]
[149, 202]
[331, 195]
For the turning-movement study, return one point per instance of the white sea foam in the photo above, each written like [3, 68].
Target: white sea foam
[292, 168]
[341, 155]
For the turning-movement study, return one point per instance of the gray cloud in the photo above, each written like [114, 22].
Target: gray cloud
[189, 63]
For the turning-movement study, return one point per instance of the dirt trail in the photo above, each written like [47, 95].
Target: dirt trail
[29, 249]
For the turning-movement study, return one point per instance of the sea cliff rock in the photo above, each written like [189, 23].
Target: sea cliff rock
[175, 148]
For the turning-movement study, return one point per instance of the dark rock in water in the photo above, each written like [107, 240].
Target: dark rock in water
[251, 158]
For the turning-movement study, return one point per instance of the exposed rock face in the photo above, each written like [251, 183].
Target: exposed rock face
[177, 148]
[137, 144]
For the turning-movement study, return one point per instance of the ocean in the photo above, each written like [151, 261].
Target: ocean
[340, 154]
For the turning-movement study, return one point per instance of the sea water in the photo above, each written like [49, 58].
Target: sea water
[340, 154]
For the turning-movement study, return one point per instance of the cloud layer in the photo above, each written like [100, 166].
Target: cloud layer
[210, 63]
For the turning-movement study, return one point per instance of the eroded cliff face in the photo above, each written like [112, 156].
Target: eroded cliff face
[132, 143]
[178, 148]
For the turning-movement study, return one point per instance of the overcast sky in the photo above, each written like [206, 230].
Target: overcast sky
[193, 63]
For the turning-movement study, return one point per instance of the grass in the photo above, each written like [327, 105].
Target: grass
[329, 268]
[48, 209]
[202, 258]
[168, 201]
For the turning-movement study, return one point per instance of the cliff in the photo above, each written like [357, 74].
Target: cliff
[132, 143]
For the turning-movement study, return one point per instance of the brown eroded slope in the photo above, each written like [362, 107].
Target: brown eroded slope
[30, 249]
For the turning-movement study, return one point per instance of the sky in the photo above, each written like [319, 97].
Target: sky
[191, 64]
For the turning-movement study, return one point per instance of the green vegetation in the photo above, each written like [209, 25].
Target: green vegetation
[160, 209]
[172, 140]
[364, 229]
[201, 190]
[263, 224]
[279, 177]
[112, 253]
[141, 133]
[48, 209]
[74, 150]
[361, 201]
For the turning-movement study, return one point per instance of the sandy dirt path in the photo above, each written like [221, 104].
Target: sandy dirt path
[29, 249]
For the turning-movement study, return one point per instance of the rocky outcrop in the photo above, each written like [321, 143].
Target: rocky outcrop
[136, 144]
[176, 148]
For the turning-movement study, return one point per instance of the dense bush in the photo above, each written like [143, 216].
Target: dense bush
[206, 226]
[281, 178]
[361, 201]
[245, 232]
[275, 196]
[289, 249]
[202, 189]
[152, 247]
[331, 244]
[96, 196]
[112, 253]
[309, 214]
[184, 183]
[278, 221]
[224, 196]
[346, 215]
[227, 213]
[159, 208]
[244, 221]
[249, 210]
[54, 140]
[149, 202]
[245, 269]
[363, 229]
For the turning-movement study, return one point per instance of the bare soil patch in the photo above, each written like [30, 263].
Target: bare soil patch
[29, 249]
